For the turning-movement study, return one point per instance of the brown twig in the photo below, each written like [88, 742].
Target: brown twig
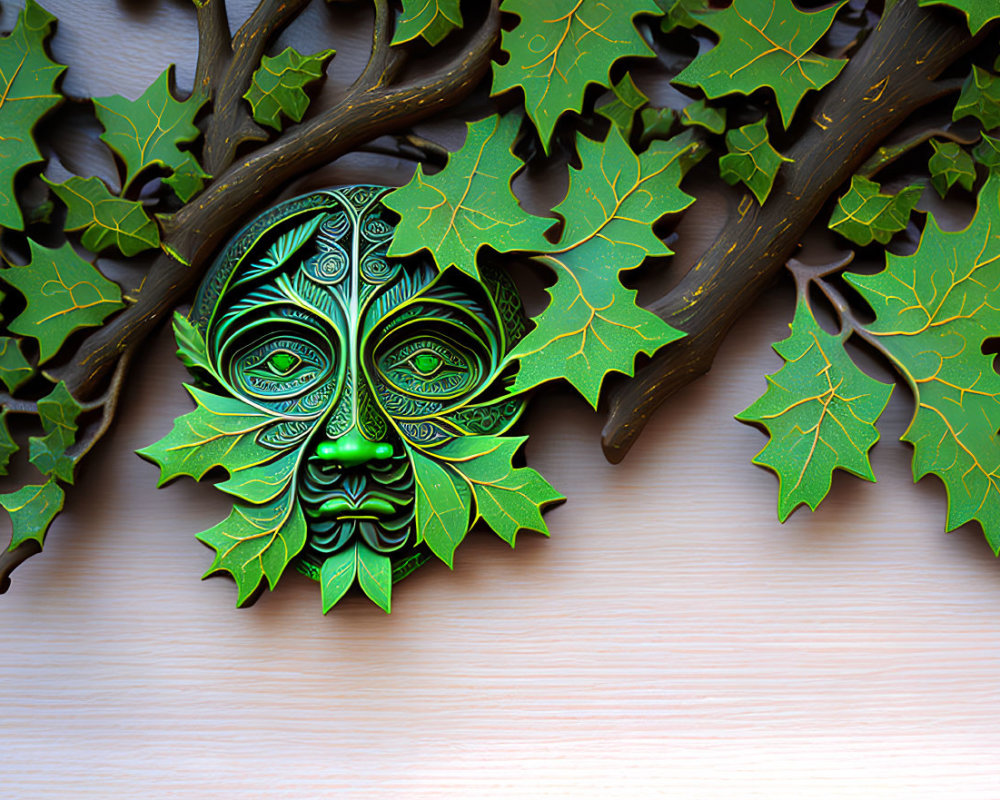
[214, 47]
[231, 123]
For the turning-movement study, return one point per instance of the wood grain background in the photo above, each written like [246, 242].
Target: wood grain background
[670, 639]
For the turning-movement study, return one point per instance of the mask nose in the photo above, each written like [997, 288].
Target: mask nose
[353, 450]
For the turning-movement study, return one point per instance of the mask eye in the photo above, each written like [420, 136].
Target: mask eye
[430, 367]
[426, 363]
[281, 363]
[280, 367]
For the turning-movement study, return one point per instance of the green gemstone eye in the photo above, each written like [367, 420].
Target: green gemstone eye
[427, 363]
[282, 363]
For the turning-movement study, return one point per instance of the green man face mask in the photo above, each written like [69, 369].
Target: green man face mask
[357, 401]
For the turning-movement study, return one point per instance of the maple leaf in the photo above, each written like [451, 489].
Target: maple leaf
[443, 506]
[256, 542]
[702, 114]
[106, 220]
[468, 204]
[220, 432]
[559, 47]
[764, 43]
[592, 325]
[987, 152]
[980, 98]
[751, 159]
[58, 411]
[375, 576]
[934, 310]
[32, 509]
[431, 19]
[657, 123]
[63, 292]
[191, 347]
[508, 498]
[146, 131]
[337, 575]
[950, 164]
[680, 13]
[819, 410]
[372, 570]
[188, 178]
[278, 85]
[620, 110]
[48, 454]
[977, 12]
[15, 369]
[7, 444]
[27, 93]
[864, 214]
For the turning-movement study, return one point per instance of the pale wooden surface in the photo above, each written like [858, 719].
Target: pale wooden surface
[669, 639]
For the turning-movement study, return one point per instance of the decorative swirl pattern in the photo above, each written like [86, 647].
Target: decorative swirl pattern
[366, 363]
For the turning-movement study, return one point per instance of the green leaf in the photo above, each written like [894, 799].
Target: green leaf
[146, 132]
[620, 110]
[32, 509]
[375, 576]
[220, 432]
[59, 411]
[27, 93]
[657, 123]
[508, 498]
[980, 98]
[14, 367]
[764, 43]
[432, 19]
[191, 347]
[278, 85]
[702, 114]
[559, 47]
[443, 507]
[108, 221]
[256, 542]
[7, 444]
[987, 152]
[751, 159]
[337, 575]
[819, 410]
[864, 214]
[260, 483]
[64, 293]
[950, 163]
[592, 325]
[681, 13]
[934, 310]
[48, 454]
[977, 12]
[468, 204]
[188, 179]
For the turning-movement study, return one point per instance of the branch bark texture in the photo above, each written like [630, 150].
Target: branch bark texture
[892, 75]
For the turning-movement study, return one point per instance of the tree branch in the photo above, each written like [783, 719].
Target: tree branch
[891, 76]
[206, 222]
[214, 47]
[231, 123]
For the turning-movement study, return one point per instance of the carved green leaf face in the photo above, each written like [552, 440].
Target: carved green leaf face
[339, 381]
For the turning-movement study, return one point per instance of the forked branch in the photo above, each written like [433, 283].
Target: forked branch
[892, 75]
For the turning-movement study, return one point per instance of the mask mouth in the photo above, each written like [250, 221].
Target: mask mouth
[374, 502]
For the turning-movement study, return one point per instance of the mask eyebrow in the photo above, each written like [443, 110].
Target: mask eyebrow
[279, 293]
